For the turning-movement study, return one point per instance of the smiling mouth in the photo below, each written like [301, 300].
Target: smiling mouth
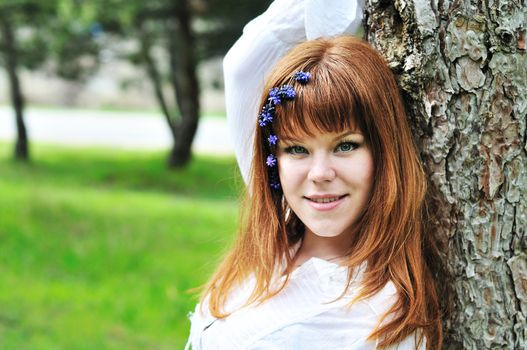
[325, 199]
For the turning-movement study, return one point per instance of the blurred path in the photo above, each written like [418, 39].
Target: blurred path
[133, 130]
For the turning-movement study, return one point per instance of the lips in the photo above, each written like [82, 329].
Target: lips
[325, 202]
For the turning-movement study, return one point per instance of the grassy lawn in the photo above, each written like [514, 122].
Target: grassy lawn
[99, 248]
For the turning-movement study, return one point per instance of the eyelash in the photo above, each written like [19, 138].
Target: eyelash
[295, 148]
[353, 145]
[291, 150]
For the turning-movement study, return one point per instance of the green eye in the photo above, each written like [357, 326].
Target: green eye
[296, 150]
[346, 147]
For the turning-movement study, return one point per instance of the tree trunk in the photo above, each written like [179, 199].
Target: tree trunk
[462, 67]
[183, 67]
[183, 79]
[21, 151]
[153, 72]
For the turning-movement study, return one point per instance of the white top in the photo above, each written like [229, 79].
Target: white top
[265, 40]
[303, 316]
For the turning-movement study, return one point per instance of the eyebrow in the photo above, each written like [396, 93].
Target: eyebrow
[347, 133]
[339, 136]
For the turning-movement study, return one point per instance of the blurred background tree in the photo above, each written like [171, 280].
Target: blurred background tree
[101, 246]
[173, 37]
[36, 33]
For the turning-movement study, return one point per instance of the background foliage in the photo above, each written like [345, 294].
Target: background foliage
[101, 250]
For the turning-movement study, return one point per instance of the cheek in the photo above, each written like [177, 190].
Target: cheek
[291, 174]
[365, 172]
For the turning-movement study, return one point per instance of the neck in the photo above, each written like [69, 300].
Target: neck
[327, 248]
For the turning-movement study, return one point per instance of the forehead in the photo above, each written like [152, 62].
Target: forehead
[293, 122]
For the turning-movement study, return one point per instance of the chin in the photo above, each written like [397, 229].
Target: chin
[324, 232]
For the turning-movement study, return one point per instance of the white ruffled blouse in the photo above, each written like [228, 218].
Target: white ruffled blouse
[303, 316]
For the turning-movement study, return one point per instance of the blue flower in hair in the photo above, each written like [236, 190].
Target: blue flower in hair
[287, 92]
[272, 139]
[271, 160]
[302, 77]
[266, 116]
[269, 108]
[274, 96]
[275, 185]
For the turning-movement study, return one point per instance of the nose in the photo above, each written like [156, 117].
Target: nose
[322, 169]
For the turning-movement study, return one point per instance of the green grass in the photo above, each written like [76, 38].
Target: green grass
[99, 248]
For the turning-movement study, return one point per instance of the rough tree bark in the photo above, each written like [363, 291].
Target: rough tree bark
[462, 67]
[21, 151]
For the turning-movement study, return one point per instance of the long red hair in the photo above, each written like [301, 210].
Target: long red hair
[351, 85]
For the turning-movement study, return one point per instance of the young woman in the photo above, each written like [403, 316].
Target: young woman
[331, 249]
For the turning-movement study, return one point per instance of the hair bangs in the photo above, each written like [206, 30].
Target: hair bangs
[328, 103]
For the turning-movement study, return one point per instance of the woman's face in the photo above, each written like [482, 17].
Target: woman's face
[326, 179]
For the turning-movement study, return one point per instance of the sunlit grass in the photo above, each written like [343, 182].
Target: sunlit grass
[99, 248]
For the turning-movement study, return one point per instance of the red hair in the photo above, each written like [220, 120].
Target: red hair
[351, 85]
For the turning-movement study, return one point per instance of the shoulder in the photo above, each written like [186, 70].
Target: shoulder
[380, 303]
[383, 300]
[201, 318]
[409, 343]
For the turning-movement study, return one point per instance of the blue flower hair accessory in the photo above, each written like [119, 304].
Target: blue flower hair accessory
[274, 97]
[302, 77]
[273, 139]
[287, 92]
[277, 97]
[271, 160]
